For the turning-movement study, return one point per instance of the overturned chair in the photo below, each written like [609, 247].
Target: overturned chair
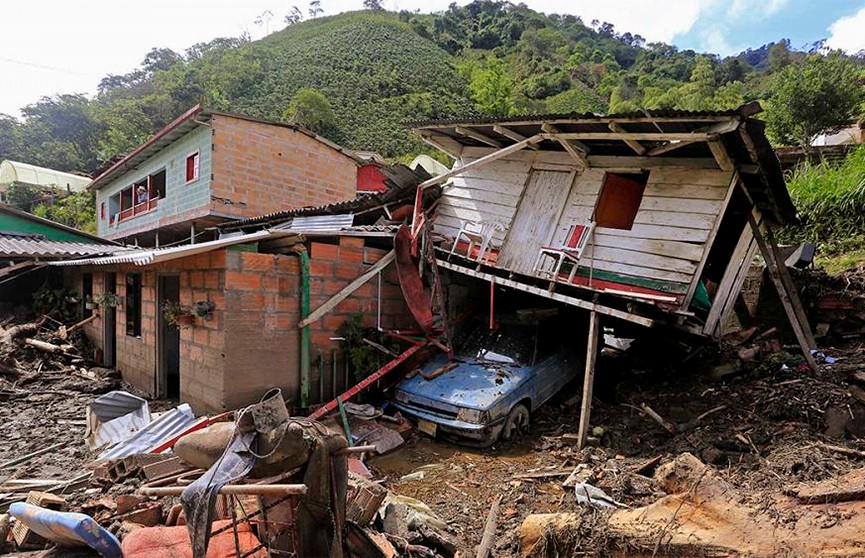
[550, 258]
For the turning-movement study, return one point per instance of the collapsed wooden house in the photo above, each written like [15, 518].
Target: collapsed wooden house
[650, 217]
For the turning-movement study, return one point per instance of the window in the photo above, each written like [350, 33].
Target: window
[86, 294]
[620, 199]
[133, 304]
[192, 167]
[102, 210]
[141, 197]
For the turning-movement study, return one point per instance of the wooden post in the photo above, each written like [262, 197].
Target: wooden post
[589, 379]
[786, 290]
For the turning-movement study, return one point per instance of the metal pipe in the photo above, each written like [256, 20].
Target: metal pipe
[234, 489]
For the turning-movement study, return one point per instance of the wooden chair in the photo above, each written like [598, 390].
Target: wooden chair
[477, 234]
[571, 250]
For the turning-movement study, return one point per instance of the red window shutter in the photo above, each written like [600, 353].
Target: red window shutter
[620, 200]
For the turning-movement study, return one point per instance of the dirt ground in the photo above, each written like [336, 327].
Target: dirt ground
[763, 430]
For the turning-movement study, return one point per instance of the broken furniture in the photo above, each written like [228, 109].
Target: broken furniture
[571, 250]
[478, 234]
[66, 528]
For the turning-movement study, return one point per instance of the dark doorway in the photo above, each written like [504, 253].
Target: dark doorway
[109, 324]
[168, 357]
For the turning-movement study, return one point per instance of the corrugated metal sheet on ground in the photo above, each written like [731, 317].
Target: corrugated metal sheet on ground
[166, 426]
[18, 247]
[114, 417]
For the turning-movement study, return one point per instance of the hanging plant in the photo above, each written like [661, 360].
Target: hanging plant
[90, 304]
[107, 300]
[204, 309]
[177, 314]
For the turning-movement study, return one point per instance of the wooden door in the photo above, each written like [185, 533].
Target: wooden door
[168, 376]
[535, 221]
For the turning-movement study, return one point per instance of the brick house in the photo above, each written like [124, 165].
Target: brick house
[253, 277]
[208, 167]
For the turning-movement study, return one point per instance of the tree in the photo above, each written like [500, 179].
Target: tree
[294, 16]
[311, 109]
[491, 87]
[76, 210]
[315, 8]
[372, 5]
[264, 19]
[823, 93]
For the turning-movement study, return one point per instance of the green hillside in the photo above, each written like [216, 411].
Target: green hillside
[358, 77]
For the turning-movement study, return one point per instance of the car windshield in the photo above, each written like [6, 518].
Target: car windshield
[509, 344]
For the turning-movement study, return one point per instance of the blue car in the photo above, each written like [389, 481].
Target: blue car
[489, 392]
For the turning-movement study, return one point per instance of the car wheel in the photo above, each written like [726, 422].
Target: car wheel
[517, 421]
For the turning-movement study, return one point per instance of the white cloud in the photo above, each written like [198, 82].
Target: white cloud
[848, 33]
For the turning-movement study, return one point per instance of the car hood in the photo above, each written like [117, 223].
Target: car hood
[474, 383]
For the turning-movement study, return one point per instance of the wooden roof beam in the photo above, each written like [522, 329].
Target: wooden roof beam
[719, 152]
[431, 140]
[669, 146]
[508, 133]
[633, 144]
[475, 135]
[574, 148]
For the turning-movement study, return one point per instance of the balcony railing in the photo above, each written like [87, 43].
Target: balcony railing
[135, 210]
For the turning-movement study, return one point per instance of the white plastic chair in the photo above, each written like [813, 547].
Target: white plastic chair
[571, 249]
[477, 234]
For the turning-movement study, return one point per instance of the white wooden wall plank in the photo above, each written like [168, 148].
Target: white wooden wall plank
[489, 196]
[660, 189]
[669, 248]
[653, 261]
[496, 212]
[661, 232]
[692, 177]
[678, 205]
[667, 219]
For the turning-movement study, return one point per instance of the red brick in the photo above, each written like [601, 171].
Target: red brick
[211, 279]
[321, 251]
[257, 262]
[320, 269]
[243, 280]
[347, 271]
[351, 255]
[351, 242]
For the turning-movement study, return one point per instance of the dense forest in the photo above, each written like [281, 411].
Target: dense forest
[358, 78]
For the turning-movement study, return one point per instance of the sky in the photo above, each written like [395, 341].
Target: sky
[52, 46]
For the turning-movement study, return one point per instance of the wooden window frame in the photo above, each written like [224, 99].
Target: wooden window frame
[196, 157]
[603, 215]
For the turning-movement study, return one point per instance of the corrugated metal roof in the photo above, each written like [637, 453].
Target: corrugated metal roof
[748, 109]
[316, 223]
[29, 247]
[53, 224]
[163, 428]
[139, 256]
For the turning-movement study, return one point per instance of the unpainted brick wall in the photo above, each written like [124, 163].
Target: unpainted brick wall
[260, 168]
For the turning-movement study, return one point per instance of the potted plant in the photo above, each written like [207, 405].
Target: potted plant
[177, 314]
[204, 309]
[107, 300]
[89, 303]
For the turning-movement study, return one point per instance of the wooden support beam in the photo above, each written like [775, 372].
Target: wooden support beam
[615, 161]
[508, 133]
[589, 378]
[669, 146]
[486, 159]
[731, 282]
[347, 290]
[16, 267]
[558, 297]
[644, 136]
[633, 144]
[707, 247]
[574, 148]
[469, 133]
[719, 152]
[789, 297]
[429, 139]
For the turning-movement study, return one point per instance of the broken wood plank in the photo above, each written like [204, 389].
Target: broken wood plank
[489, 530]
[43, 346]
[632, 143]
[439, 371]
[347, 290]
